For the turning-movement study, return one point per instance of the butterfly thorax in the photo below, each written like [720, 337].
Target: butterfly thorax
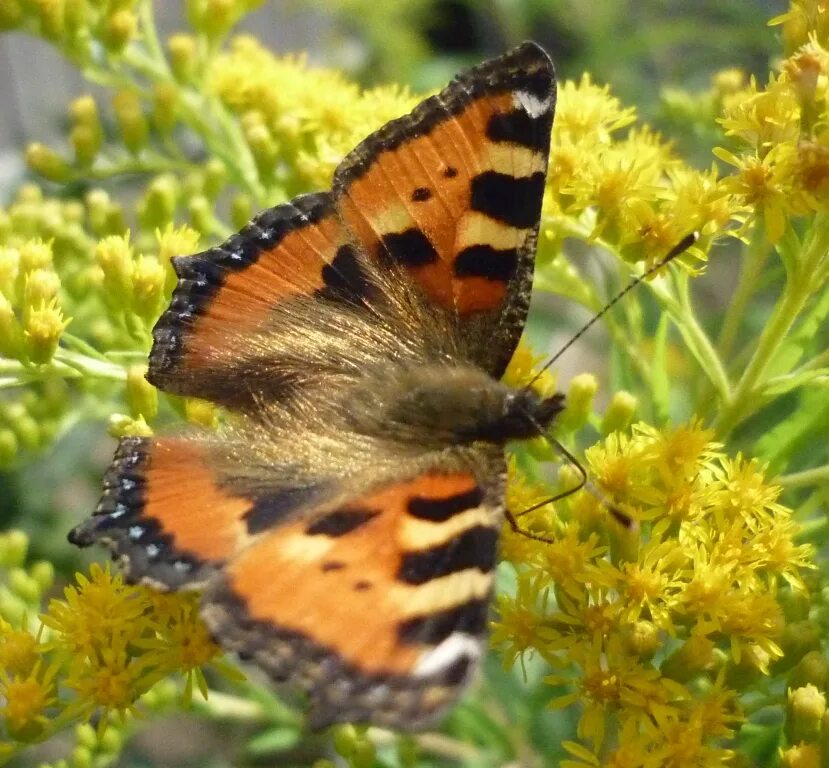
[454, 405]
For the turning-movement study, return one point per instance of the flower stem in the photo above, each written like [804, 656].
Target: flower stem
[797, 291]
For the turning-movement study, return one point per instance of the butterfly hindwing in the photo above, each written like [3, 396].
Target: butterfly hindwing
[451, 196]
[377, 606]
[165, 513]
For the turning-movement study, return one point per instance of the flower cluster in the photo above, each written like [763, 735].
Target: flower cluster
[659, 599]
[92, 654]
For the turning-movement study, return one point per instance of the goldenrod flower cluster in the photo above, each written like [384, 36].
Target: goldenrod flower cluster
[92, 653]
[660, 620]
[675, 608]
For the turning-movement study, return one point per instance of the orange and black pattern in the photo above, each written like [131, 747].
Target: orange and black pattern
[452, 193]
[298, 249]
[413, 560]
[343, 525]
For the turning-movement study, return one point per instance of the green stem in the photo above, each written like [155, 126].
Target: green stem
[797, 291]
[814, 476]
[146, 14]
[65, 365]
[809, 528]
[696, 339]
[754, 260]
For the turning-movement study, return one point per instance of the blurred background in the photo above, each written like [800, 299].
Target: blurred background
[640, 48]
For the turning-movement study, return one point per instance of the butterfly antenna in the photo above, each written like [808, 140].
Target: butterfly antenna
[584, 483]
[682, 246]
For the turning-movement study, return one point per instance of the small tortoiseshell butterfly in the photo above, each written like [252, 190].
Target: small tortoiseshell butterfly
[344, 525]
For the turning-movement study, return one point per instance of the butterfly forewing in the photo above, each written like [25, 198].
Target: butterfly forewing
[451, 194]
[213, 339]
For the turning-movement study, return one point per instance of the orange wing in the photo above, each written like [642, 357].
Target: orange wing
[451, 194]
[228, 293]
[377, 608]
[171, 517]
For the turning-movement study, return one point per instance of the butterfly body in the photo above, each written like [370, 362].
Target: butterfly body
[343, 525]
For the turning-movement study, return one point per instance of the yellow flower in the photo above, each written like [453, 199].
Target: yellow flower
[26, 698]
[767, 185]
[763, 119]
[588, 111]
[523, 369]
[111, 679]
[99, 607]
[19, 649]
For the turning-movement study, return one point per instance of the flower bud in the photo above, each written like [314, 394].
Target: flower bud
[14, 546]
[798, 638]
[201, 214]
[86, 144]
[114, 257]
[811, 669]
[82, 757]
[176, 241]
[219, 16]
[579, 403]
[46, 162]
[85, 736]
[158, 206]
[801, 756]
[215, 177]
[42, 329]
[23, 585]
[148, 278]
[694, 656]
[165, 101]
[51, 14]
[35, 254]
[41, 287]
[106, 217]
[11, 334]
[183, 56]
[43, 572]
[200, 412]
[619, 413]
[112, 741]
[805, 708]
[241, 210]
[123, 426]
[131, 121]
[642, 638]
[119, 29]
[9, 270]
[142, 397]
[263, 148]
[11, 14]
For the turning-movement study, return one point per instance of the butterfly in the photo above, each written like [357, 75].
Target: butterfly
[343, 525]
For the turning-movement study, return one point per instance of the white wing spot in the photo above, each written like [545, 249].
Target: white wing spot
[181, 566]
[136, 532]
[443, 656]
[119, 511]
[153, 550]
[534, 106]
